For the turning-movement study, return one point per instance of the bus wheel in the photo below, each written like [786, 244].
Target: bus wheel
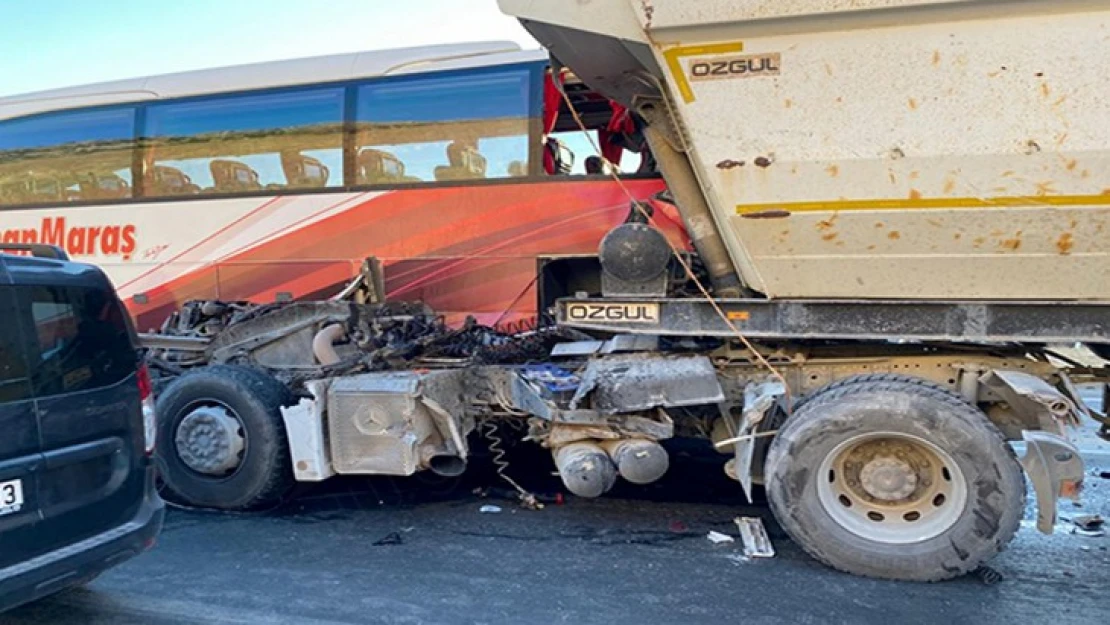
[895, 479]
[221, 439]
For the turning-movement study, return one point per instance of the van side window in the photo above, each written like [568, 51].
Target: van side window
[466, 126]
[15, 384]
[67, 156]
[83, 339]
[233, 144]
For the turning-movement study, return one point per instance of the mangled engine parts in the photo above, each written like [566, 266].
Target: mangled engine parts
[615, 417]
[390, 424]
[386, 423]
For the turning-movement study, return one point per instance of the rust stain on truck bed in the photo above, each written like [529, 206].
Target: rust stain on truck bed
[1065, 243]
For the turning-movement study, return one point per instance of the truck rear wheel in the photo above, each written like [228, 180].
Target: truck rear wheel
[221, 439]
[894, 479]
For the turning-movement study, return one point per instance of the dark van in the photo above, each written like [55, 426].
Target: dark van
[76, 427]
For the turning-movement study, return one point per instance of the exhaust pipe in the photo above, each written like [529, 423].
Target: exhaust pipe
[585, 468]
[323, 344]
[442, 459]
[639, 460]
[446, 465]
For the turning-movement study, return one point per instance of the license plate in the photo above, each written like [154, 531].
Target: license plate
[11, 497]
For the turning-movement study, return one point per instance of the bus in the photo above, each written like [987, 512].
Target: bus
[458, 166]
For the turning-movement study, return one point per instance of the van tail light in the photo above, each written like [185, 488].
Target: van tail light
[150, 421]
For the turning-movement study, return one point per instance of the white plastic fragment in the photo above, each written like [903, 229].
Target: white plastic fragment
[718, 538]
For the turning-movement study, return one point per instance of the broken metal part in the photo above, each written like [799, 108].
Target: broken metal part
[759, 399]
[368, 287]
[557, 426]
[757, 544]
[1089, 522]
[617, 344]
[1056, 470]
[305, 431]
[178, 343]
[395, 423]
[635, 383]
[1035, 401]
[1081, 407]
[717, 538]
[575, 425]
[323, 344]
[392, 538]
[301, 341]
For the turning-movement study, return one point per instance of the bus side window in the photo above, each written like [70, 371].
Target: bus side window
[467, 125]
[246, 143]
[67, 156]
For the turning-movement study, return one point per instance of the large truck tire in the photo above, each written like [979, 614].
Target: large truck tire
[892, 478]
[221, 439]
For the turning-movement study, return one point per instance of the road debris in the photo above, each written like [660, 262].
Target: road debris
[988, 575]
[1089, 525]
[392, 538]
[718, 538]
[756, 542]
[489, 509]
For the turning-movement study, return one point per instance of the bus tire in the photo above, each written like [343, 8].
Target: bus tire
[221, 439]
[894, 479]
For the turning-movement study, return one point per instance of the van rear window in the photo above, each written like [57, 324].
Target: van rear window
[83, 339]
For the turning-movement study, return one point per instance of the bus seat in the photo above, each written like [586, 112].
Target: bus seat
[166, 180]
[380, 167]
[103, 187]
[517, 169]
[466, 163]
[557, 157]
[32, 188]
[303, 172]
[229, 175]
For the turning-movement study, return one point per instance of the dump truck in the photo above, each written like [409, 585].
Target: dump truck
[895, 211]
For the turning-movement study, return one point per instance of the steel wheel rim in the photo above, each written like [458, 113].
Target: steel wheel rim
[238, 448]
[892, 487]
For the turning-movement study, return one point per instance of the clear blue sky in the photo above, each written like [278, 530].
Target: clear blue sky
[59, 43]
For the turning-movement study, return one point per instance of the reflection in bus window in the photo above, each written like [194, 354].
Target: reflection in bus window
[461, 127]
[65, 157]
[238, 144]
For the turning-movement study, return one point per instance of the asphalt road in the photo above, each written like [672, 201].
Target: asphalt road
[639, 557]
